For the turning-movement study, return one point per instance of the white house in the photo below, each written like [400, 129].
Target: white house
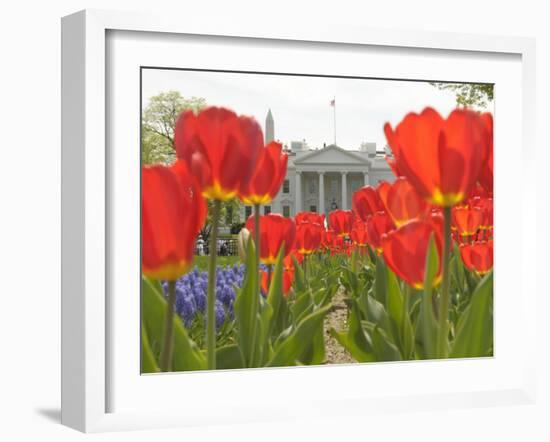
[324, 179]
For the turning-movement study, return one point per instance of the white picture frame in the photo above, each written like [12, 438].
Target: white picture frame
[86, 215]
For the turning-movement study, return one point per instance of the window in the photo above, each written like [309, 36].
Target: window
[267, 210]
[334, 186]
[247, 211]
[286, 186]
[286, 211]
[313, 208]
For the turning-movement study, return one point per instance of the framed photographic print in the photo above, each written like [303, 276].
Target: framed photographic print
[250, 216]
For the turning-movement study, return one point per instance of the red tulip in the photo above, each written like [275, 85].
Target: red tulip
[288, 277]
[434, 210]
[467, 220]
[436, 218]
[486, 207]
[288, 262]
[268, 176]
[455, 236]
[478, 257]
[310, 217]
[220, 149]
[442, 159]
[338, 245]
[327, 238]
[405, 250]
[383, 189]
[486, 175]
[479, 192]
[348, 249]
[275, 230]
[173, 211]
[341, 221]
[403, 202]
[330, 241]
[366, 202]
[359, 234]
[308, 237]
[377, 225]
[393, 166]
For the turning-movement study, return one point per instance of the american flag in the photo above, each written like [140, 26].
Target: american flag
[333, 102]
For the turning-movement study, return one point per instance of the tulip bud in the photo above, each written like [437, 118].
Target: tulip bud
[242, 243]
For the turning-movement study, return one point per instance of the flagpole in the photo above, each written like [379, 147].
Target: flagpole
[334, 106]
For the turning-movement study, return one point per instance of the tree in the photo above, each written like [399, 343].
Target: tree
[154, 149]
[229, 215]
[157, 143]
[469, 94]
[158, 123]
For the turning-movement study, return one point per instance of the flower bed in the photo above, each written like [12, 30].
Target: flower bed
[413, 258]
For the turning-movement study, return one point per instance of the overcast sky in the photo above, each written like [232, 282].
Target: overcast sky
[301, 105]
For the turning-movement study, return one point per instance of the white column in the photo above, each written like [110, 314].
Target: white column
[344, 190]
[322, 192]
[298, 191]
[365, 178]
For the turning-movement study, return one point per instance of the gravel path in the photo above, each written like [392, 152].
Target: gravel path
[337, 318]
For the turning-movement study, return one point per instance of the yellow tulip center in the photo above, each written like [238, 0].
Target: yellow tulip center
[169, 271]
[446, 199]
[217, 192]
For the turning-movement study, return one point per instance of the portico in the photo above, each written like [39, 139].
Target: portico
[327, 190]
[323, 180]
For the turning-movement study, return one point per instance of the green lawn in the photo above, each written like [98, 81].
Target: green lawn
[202, 261]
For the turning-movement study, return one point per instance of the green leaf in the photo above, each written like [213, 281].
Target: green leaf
[148, 362]
[458, 272]
[229, 356]
[398, 312]
[303, 305]
[262, 332]
[246, 309]
[427, 328]
[350, 281]
[362, 303]
[323, 296]
[474, 331]
[394, 299]
[315, 353]
[380, 281]
[354, 261]
[281, 321]
[355, 341]
[275, 296]
[376, 313]
[187, 356]
[373, 258]
[293, 348]
[384, 349]
[299, 279]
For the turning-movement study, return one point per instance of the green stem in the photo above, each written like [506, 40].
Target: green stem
[442, 342]
[306, 270]
[406, 297]
[257, 289]
[168, 337]
[269, 270]
[211, 294]
[257, 246]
